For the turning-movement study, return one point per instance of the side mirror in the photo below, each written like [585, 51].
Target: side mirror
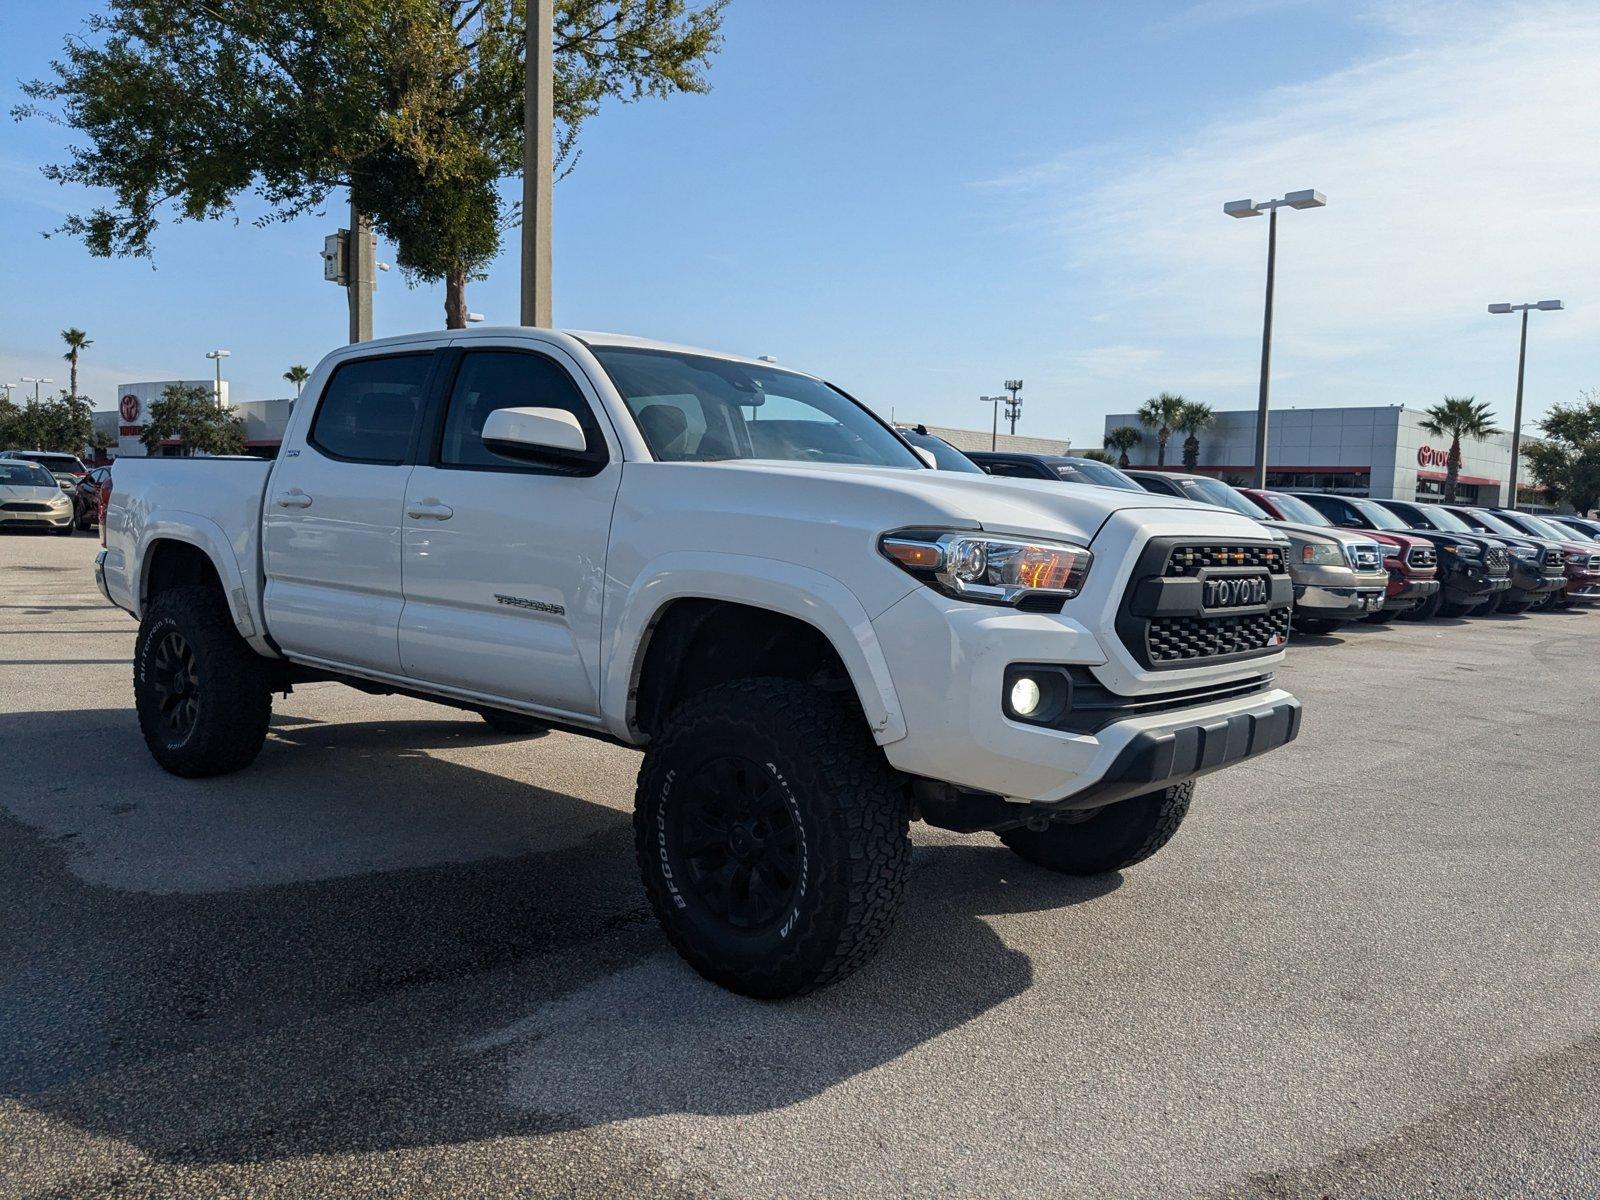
[927, 457]
[548, 434]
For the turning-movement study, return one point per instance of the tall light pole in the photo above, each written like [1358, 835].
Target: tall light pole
[36, 383]
[1522, 359]
[538, 162]
[1014, 405]
[218, 356]
[1309, 198]
[994, 429]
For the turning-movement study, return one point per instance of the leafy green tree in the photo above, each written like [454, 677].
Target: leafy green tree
[189, 412]
[1161, 413]
[415, 106]
[1566, 463]
[1457, 417]
[297, 375]
[62, 422]
[1192, 418]
[77, 342]
[1122, 439]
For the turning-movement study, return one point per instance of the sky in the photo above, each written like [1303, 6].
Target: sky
[919, 199]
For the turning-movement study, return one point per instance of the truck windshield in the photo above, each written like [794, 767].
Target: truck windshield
[946, 455]
[1297, 510]
[696, 408]
[1087, 470]
[1380, 516]
[1494, 524]
[1546, 529]
[1214, 491]
[1446, 520]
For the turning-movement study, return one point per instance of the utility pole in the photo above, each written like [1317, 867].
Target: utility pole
[217, 356]
[538, 162]
[1014, 405]
[994, 430]
[362, 275]
[1522, 361]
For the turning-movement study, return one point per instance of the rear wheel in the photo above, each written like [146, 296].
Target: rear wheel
[1105, 839]
[202, 694]
[772, 836]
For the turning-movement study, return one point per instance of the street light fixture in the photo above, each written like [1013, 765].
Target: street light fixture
[1306, 198]
[994, 430]
[1014, 405]
[1522, 358]
[36, 383]
[218, 356]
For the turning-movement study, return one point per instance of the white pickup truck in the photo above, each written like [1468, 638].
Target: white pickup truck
[814, 637]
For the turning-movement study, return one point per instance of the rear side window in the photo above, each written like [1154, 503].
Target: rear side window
[493, 379]
[370, 408]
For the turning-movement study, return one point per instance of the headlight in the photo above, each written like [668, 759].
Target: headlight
[1464, 551]
[1322, 554]
[59, 500]
[1526, 553]
[989, 569]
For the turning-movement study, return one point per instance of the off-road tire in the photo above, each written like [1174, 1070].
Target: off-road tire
[1114, 838]
[512, 724]
[1427, 610]
[1315, 626]
[846, 815]
[1490, 606]
[233, 702]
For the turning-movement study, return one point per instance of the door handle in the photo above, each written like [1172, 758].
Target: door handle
[294, 499]
[430, 510]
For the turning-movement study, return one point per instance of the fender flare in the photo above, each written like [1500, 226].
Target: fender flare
[205, 535]
[808, 595]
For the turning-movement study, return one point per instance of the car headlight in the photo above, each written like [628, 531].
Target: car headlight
[59, 500]
[987, 568]
[1464, 551]
[1526, 553]
[1322, 554]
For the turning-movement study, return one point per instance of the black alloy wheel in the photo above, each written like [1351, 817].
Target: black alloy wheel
[738, 841]
[175, 680]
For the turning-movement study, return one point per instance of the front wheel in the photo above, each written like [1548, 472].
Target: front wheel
[1427, 610]
[202, 694]
[1105, 839]
[772, 836]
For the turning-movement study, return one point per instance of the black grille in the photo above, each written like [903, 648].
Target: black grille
[1421, 556]
[1497, 560]
[1175, 639]
[1190, 560]
[1554, 558]
[24, 506]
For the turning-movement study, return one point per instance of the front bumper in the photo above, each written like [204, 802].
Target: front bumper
[1410, 594]
[11, 519]
[1584, 588]
[1337, 603]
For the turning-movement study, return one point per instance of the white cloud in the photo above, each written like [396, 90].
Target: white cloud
[1460, 169]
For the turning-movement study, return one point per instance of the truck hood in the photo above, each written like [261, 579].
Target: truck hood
[1032, 507]
[1319, 533]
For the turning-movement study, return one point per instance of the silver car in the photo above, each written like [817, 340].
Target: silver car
[30, 498]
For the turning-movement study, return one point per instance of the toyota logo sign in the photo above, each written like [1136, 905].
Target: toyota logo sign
[1427, 456]
[129, 408]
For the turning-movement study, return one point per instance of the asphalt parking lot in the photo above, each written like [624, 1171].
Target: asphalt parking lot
[404, 955]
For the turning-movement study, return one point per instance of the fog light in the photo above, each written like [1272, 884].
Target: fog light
[1025, 696]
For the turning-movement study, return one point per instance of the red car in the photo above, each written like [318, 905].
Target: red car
[1412, 562]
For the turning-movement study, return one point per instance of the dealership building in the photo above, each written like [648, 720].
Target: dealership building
[264, 420]
[1379, 452]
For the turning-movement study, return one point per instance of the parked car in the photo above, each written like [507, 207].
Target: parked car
[1477, 566]
[30, 498]
[1589, 529]
[1538, 564]
[1338, 576]
[1412, 563]
[945, 456]
[88, 498]
[1581, 557]
[1059, 468]
[738, 569]
[56, 462]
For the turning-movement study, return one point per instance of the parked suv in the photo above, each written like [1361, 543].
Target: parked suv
[1581, 556]
[1059, 468]
[1477, 567]
[1338, 576]
[945, 456]
[737, 569]
[1411, 562]
[1538, 563]
[1583, 525]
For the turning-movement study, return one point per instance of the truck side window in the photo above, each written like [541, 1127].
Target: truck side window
[370, 407]
[491, 379]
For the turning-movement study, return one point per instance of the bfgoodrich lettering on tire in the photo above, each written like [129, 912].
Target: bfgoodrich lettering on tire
[201, 692]
[772, 837]
[1106, 839]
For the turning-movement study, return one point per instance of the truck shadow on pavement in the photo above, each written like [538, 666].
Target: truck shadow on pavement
[206, 1018]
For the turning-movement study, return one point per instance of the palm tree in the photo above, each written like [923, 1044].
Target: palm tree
[1457, 417]
[1161, 413]
[77, 341]
[1122, 439]
[297, 375]
[1194, 417]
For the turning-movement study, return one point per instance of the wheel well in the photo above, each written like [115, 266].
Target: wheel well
[695, 645]
[170, 564]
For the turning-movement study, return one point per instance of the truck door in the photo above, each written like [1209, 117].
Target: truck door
[331, 516]
[505, 558]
